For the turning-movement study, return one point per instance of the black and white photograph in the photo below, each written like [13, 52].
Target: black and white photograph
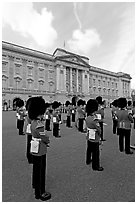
[68, 101]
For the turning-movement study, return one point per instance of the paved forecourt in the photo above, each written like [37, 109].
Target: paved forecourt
[69, 179]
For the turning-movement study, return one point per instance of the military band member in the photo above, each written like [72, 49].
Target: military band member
[124, 125]
[56, 120]
[47, 118]
[68, 111]
[81, 114]
[100, 113]
[39, 143]
[93, 135]
[21, 116]
[28, 132]
[114, 117]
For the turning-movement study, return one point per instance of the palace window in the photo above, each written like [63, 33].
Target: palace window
[17, 69]
[4, 66]
[29, 71]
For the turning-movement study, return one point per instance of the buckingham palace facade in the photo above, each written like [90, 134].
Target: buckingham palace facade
[27, 72]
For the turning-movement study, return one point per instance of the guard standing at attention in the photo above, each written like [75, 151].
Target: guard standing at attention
[81, 114]
[47, 118]
[21, 116]
[100, 114]
[124, 125]
[93, 135]
[56, 120]
[39, 143]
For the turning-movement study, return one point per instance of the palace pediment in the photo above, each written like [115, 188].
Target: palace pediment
[66, 56]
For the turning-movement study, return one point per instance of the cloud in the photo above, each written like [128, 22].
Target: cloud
[126, 42]
[24, 19]
[76, 15]
[83, 42]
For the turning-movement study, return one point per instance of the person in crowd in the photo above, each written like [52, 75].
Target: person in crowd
[93, 135]
[68, 111]
[124, 125]
[100, 113]
[21, 116]
[47, 117]
[81, 114]
[114, 117]
[56, 119]
[39, 143]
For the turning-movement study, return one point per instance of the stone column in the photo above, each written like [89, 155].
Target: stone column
[64, 79]
[11, 71]
[24, 76]
[83, 81]
[77, 80]
[71, 90]
[57, 79]
[88, 83]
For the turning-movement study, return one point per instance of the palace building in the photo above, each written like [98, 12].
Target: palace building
[27, 72]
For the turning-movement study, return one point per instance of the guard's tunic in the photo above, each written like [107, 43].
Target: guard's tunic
[39, 159]
[93, 140]
[124, 129]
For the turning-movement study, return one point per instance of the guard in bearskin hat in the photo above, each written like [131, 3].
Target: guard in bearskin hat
[56, 119]
[28, 132]
[21, 116]
[68, 111]
[81, 114]
[114, 117]
[124, 120]
[100, 113]
[93, 135]
[39, 143]
[47, 117]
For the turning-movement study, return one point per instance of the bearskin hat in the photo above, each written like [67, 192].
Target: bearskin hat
[115, 103]
[36, 107]
[129, 103]
[20, 103]
[99, 100]
[122, 102]
[80, 102]
[92, 106]
[67, 103]
[28, 103]
[55, 104]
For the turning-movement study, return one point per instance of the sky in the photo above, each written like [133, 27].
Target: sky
[102, 31]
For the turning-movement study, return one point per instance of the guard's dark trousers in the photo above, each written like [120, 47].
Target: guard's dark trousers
[47, 124]
[55, 129]
[39, 171]
[68, 121]
[114, 126]
[28, 154]
[80, 125]
[93, 148]
[124, 134]
[73, 117]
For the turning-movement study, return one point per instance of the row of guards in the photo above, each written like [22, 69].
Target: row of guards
[39, 116]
